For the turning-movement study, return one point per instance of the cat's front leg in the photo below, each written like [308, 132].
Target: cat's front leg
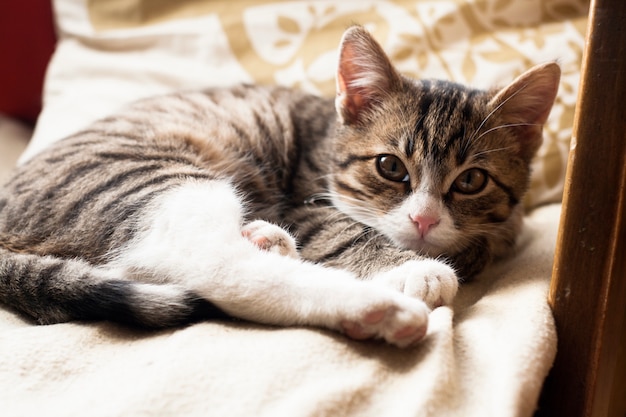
[430, 280]
[328, 237]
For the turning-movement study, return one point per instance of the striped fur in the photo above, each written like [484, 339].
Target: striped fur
[374, 184]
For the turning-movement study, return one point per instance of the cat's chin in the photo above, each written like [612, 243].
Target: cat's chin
[420, 246]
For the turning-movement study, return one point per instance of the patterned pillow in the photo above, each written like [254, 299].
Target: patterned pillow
[114, 51]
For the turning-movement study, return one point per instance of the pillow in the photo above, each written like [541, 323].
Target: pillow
[111, 52]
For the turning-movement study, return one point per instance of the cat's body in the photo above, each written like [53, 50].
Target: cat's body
[148, 217]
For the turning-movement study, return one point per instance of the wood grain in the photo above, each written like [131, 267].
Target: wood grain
[588, 289]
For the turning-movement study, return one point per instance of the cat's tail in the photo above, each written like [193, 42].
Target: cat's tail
[53, 290]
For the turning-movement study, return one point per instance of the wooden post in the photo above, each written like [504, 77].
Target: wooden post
[588, 289]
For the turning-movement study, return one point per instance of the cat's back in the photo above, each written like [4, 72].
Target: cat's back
[94, 183]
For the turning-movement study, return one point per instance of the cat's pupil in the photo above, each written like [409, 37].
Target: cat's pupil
[391, 168]
[471, 181]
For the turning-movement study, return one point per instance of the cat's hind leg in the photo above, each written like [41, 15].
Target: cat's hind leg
[192, 236]
[269, 237]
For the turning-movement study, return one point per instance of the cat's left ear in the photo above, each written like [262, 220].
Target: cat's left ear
[527, 102]
[365, 75]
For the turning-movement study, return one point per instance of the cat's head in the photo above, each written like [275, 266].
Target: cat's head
[434, 165]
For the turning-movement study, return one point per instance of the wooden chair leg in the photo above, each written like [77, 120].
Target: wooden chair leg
[588, 289]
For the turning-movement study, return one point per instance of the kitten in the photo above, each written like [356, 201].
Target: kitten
[168, 212]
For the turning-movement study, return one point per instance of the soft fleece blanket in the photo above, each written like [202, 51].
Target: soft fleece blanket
[486, 355]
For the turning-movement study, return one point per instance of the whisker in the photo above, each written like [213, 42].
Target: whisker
[505, 126]
[491, 150]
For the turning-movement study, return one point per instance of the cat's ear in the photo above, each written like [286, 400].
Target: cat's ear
[364, 75]
[527, 102]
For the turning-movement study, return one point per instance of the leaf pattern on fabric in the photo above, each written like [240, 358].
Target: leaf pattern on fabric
[288, 25]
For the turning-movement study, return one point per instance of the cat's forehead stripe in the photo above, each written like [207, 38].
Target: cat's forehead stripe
[410, 146]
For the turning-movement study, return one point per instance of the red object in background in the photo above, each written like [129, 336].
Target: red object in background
[27, 40]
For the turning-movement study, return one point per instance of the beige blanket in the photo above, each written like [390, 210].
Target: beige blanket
[486, 356]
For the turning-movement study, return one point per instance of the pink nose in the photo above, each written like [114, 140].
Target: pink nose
[425, 224]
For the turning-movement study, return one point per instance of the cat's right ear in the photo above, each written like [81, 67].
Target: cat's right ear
[364, 75]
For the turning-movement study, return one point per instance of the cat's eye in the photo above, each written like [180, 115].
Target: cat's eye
[391, 168]
[471, 181]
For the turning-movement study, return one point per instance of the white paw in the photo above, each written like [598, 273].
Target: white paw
[271, 238]
[377, 313]
[429, 280]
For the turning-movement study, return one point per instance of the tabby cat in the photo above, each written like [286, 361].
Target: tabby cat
[169, 212]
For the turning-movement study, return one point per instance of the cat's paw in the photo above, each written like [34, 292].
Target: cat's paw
[397, 319]
[271, 238]
[430, 280]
